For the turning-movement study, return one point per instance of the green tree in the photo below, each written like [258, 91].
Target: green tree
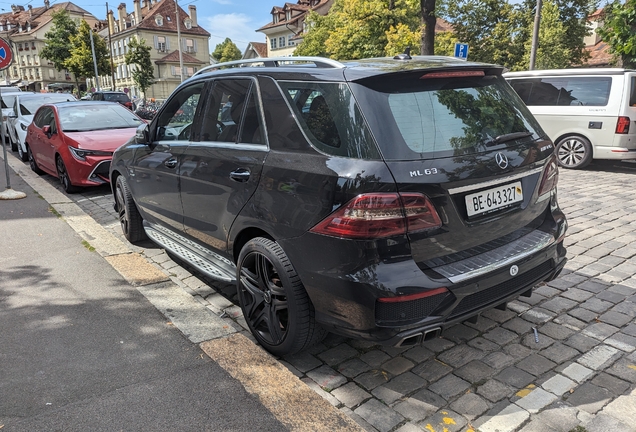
[492, 31]
[226, 51]
[618, 31]
[139, 55]
[445, 43]
[57, 44]
[552, 52]
[80, 60]
[313, 43]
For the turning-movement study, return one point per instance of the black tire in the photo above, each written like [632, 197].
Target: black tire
[34, 165]
[21, 154]
[275, 304]
[65, 179]
[574, 152]
[129, 217]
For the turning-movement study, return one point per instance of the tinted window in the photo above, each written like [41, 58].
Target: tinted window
[331, 118]
[176, 117]
[83, 117]
[232, 113]
[116, 97]
[414, 118]
[551, 91]
[39, 119]
[632, 91]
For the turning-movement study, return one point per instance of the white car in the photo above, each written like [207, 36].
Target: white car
[21, 115]
[8, 95]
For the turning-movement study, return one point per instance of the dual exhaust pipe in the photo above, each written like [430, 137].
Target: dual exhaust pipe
[418, 338]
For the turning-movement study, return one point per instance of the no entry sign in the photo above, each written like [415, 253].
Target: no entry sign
[6, 55]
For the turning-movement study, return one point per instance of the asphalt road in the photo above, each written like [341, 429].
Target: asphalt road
[81, 349]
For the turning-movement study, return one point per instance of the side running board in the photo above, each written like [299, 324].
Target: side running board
[207, 262]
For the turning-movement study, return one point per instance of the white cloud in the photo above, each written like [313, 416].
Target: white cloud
[237, 26]
[223, 2]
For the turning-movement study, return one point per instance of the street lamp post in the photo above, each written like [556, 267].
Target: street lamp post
[535, 35]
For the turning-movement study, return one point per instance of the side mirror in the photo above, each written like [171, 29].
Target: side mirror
[142, 134]
[47, 130]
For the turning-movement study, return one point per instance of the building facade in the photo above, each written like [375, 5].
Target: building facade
[156, 23]
[24, 29]
[286, 29]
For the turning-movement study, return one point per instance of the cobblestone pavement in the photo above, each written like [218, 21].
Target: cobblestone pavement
[493, 375]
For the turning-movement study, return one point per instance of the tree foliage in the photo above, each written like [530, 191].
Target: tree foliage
[553, 51]
[58, 45]
[619, 31]
[80, 60]
[139, 55]
[226, 51]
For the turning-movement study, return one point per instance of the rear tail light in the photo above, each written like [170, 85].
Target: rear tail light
[378, 215]
[550, 176]
[622, 125]
[410, 297]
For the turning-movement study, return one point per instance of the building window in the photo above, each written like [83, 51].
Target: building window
[20, 47]
[281, 42]
[51, 74]
[32, 45]
[272, 43]
[161, 43]
[189, 46]
[188, 23]
[159, 20]
[189, 71]
[290, 42]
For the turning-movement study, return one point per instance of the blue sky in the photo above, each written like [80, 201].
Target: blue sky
[236, 19]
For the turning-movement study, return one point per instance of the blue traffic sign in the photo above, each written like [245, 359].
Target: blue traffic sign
[461, 51]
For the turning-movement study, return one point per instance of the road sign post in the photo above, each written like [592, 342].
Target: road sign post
[6, 58]
[461, 51]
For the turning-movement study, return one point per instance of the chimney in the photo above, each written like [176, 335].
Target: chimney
[111, 22]
[192, 10]
[121, 10]
[137, 5]
[47, 4]
[30, 11]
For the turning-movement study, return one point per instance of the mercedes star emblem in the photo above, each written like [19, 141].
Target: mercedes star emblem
[501, 160]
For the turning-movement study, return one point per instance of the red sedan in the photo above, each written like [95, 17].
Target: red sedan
[75, 141]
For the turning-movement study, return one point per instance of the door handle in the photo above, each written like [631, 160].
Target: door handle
[170, 163]
[240, 175]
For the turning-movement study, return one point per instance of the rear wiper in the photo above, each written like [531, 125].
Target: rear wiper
[508, 137]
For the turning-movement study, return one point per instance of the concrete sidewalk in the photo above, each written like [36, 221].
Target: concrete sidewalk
[83, 349]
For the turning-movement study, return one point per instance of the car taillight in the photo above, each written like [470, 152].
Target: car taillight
[622, 125]
[550, 176]
[377, 215]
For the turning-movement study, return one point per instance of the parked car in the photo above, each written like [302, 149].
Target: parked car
[384, 199]
[21, 116]
[113, 96]
[8, 96]
[586, 112]
[74, 141]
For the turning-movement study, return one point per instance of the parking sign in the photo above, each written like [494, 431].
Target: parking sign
[461, 50]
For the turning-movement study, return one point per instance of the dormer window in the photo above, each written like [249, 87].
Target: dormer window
[275, 18]
[288, 15]
[188, 23]
[168, 18]
[159, 20]
[28, 27]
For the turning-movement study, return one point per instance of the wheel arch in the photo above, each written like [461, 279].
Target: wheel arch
[246, 235]
[574, 134]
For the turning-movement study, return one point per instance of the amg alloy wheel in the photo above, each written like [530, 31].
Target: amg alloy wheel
[273, 299]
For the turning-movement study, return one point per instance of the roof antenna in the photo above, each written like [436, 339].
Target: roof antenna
[406, 55]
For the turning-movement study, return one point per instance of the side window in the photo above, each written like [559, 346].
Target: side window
[232, 114]
[331, 118]
[175, 120]
[44, 117]
[564, 91]
[632, 91]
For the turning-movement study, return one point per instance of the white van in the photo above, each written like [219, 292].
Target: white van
[586, 112]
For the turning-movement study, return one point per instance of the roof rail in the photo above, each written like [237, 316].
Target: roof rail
[319, 62]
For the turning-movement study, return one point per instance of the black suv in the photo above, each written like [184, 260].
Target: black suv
[113, 96]
[383, 199]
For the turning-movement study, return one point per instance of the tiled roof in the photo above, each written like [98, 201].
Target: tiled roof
[37, 16]
[301, 7]
[599, 55]
[173, 57]
[260, 48]
[166, 8]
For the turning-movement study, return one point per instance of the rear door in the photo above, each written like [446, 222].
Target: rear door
[467, 142]
[221, 170]
[156, 166]
[41, 146]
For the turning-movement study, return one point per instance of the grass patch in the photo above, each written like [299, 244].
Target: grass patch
[578, 429]
[55, 212]
[88, 246]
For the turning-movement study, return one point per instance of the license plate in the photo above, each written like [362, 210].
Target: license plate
[493, 199]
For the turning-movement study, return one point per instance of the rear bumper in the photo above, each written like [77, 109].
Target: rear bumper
[346, 281]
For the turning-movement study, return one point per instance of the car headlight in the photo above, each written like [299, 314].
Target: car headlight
[80, 154]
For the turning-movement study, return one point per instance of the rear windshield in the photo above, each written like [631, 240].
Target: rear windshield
[116, 97]
[564, 91]
[414, 118]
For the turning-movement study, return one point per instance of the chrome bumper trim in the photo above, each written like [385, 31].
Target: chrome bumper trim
[489, 183]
